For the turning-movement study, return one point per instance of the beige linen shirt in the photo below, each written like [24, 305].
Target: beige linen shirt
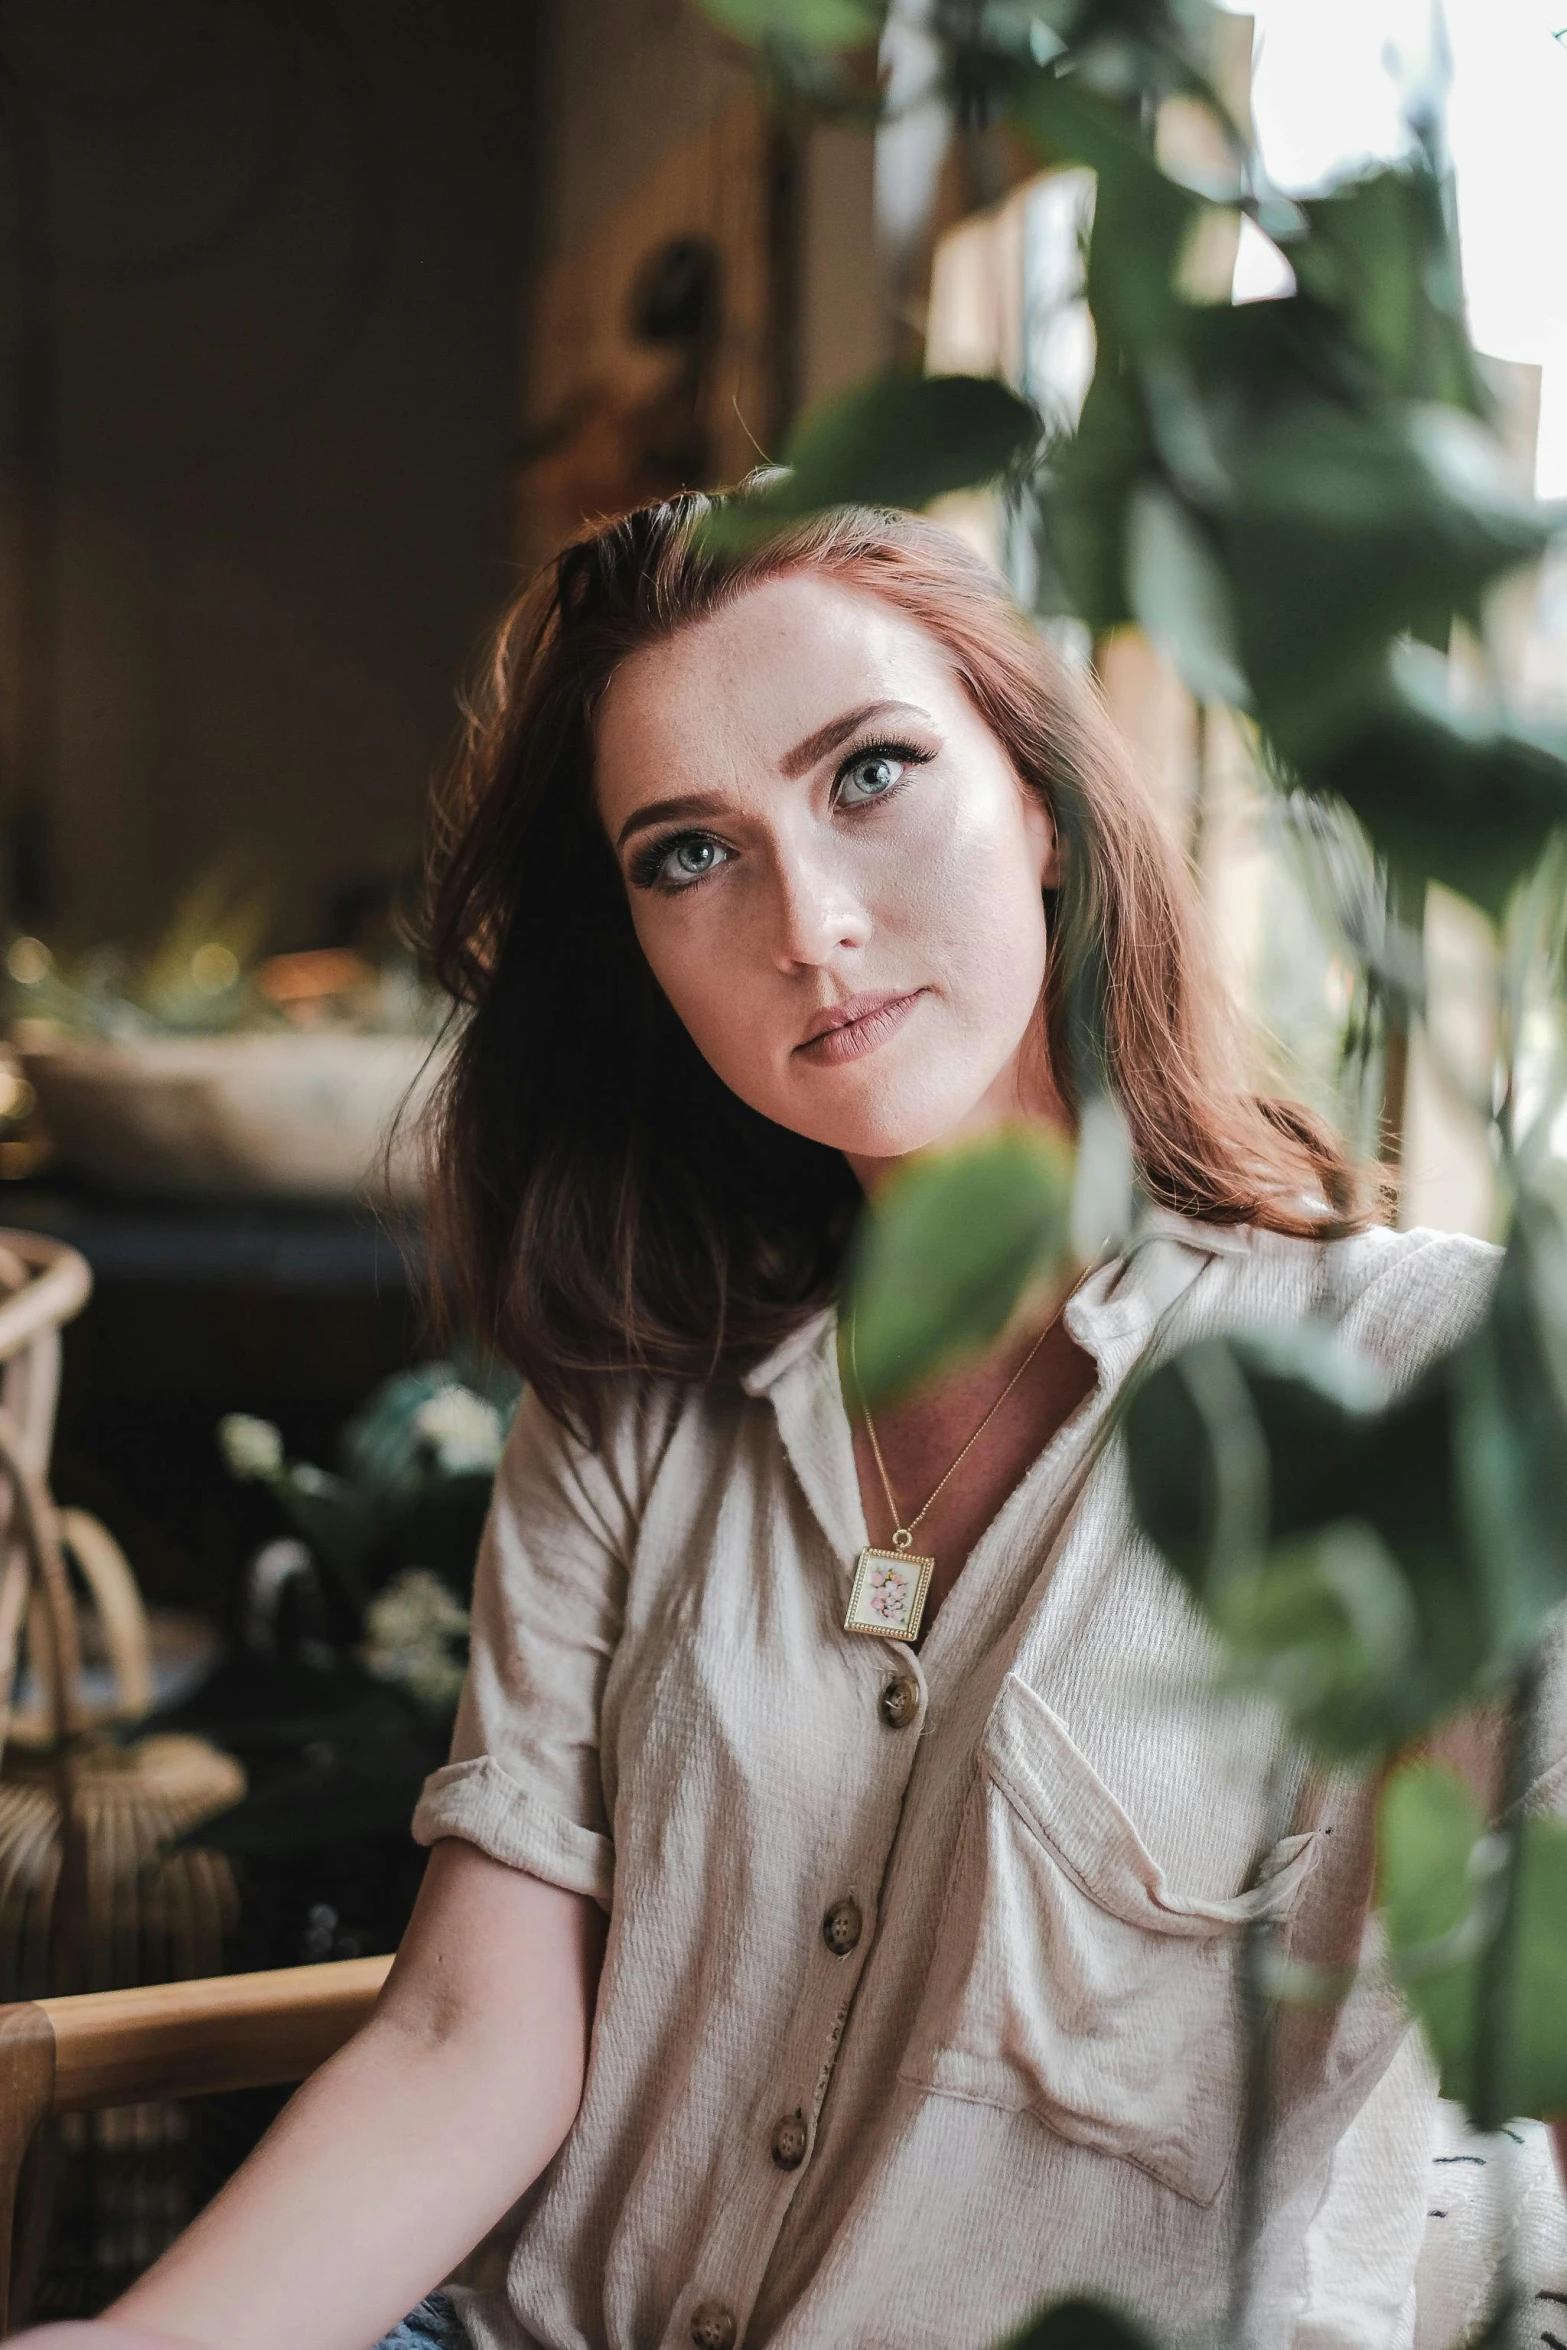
[920, 1998]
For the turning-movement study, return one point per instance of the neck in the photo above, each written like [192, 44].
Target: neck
[1008, 1104]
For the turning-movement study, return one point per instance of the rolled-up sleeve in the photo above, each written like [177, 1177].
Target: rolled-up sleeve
[524, 1782]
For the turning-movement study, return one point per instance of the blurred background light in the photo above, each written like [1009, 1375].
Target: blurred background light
[1334, 84]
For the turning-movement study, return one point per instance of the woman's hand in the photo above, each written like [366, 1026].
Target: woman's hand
[405, 2148]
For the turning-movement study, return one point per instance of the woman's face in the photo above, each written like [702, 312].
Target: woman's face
[833, 869]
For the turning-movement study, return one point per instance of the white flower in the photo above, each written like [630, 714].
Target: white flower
[414, 1625]
[252, 1448]
[464, 1432]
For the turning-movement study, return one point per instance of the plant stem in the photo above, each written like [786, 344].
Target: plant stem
[1492, 2072]
[1405, 903]
[1490, 2102]
[1256, 2123]
[1254, 2005]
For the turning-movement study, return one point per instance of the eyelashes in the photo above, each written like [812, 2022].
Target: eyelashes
[650, 868]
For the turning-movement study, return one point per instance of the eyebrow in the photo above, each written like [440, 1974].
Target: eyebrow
[794, 763]
[665, 811]
[838, 730]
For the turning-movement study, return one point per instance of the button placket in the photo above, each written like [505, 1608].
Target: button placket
[737, 2252]
[779, 2145]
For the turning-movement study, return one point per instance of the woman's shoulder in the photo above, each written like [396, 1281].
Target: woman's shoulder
[608, 1467]
[1403, 1297]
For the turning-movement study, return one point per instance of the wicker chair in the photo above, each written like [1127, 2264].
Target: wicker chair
[105, 2048]
[112, 2047]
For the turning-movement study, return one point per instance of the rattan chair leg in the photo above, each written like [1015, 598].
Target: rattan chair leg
[26, 2095]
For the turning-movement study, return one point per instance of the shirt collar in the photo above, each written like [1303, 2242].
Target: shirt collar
[1116, 1300]
[805, 1339]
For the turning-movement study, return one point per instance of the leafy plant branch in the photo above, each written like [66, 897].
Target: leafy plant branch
[1299, 500]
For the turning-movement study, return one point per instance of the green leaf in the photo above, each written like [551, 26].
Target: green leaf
[333, 1516]
[1029, 31]
[808, 24]
[1454, 795]
[1511, 1390]
[948, 1249]
[1082, 2325]
[1242, 1446]
[1306, 1400]
[1253, 361]
[899, 440]
[1321, 1629]
[1410, 1495]
[1346, 529]
[1437, 1892]
[1142, 218]
[1381, 252]
[1181, 597]
[1428, 1826]
[380, 1448]
[1539, 2051]
[1083, 498]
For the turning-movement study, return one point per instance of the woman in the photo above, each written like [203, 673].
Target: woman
[776, 1981]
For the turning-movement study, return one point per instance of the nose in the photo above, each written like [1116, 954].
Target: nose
[817, 913]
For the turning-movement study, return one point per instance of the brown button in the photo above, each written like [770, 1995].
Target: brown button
[712, 2326]
[789, 2141]
[841, 1926]
[900, 1702]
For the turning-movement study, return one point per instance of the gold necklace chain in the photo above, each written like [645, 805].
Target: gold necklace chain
[903, 1535]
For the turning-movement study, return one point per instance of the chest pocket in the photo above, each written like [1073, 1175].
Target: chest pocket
[1071, 1982]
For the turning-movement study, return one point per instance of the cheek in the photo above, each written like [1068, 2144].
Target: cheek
[975, 890]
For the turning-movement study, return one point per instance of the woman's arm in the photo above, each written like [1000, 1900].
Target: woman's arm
[402, 2151]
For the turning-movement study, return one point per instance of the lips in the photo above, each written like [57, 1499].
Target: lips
[840, 1032]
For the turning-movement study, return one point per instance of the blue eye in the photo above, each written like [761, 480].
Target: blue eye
[679, 863]
[870, 777]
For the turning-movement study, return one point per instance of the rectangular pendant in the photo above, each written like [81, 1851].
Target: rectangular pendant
[888, 1596]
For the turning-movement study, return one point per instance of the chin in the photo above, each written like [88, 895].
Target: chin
[892, 1125]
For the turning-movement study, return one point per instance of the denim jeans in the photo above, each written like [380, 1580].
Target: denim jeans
[434, 2325]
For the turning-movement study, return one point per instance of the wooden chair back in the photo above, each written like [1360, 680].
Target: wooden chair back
[167, 2040]
[42, 1285]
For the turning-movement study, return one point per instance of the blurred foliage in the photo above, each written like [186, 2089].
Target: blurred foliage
[898, 440]
[340, 1700]
[1440, 1890]
[204, 976]
[193, 980]
[1300, 500]
[995, 1219]
[1080, 2325]
[808, 24]
[1417, 1547]
[1284, 491]
[412, 1483]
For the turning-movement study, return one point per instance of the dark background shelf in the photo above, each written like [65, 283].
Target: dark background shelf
[291, 1311]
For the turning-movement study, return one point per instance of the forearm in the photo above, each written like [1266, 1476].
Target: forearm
[398, 2155]
[375, 2180]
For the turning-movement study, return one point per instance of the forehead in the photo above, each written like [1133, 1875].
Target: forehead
[751, 680]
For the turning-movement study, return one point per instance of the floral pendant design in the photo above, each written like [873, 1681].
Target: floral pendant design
[888, 1597]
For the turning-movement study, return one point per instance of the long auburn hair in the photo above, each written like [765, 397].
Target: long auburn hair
[601, 1202]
